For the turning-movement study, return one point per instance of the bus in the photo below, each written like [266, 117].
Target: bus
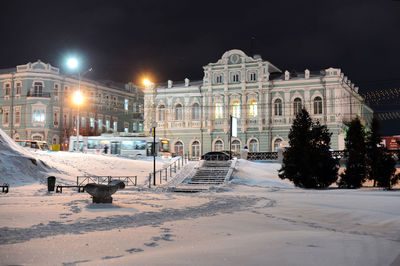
[33, 144]
[123, 144]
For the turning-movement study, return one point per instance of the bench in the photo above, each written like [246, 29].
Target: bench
[4, 188]
[60, 188]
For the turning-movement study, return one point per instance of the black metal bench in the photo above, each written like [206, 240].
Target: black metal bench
[4, 188]
[60, 188]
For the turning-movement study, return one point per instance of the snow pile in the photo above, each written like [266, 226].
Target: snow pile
[18, 166]
[259, 174]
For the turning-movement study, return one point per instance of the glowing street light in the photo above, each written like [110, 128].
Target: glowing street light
[73, 63]
[147, 82]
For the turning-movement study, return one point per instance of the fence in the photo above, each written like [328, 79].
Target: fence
[166, 173]
[128, 180]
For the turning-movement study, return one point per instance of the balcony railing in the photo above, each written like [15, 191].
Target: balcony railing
[38, 95]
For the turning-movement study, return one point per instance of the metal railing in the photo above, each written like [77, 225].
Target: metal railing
[260, 156]
[128, 180]
[166, 173]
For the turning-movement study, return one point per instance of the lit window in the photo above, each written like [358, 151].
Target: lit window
[134, 126]
[140, 126]
[296, 106]
[115, 126]
[277, 144]
[38, 116]
[278, 107]
[100, 124]
[92, 122]
[83, 122]
[126, 105]
[236, 109]
[253, 112]
[317, 105]
[219, 111]
[107, 125]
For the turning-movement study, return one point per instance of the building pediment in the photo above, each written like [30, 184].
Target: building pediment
[38, 66]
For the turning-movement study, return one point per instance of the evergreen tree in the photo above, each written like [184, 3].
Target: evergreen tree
[308, 162]
[356, 165]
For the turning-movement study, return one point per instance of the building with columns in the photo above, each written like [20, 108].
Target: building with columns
[36, 103]
[195, 116]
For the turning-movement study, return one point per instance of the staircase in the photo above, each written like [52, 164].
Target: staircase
[211, 173]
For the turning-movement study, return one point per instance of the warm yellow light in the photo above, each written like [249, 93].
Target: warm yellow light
[78, 98]
[147, 82]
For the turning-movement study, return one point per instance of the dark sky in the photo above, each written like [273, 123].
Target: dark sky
[124, 40]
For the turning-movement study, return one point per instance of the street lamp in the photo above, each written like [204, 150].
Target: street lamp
[73, 63]
[154, 125]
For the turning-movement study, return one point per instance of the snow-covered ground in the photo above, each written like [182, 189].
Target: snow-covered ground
[257, 219]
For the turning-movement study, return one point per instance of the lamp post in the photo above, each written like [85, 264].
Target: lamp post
[78, 97]
[154, 125]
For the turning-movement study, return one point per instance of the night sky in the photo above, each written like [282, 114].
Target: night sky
[126, 40]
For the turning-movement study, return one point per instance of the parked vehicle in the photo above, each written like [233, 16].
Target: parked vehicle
[34, 144]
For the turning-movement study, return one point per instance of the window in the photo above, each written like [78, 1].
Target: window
[235, 78]
[219, 111]
[253, 76]
[92, 122]
[126, 127]
[8, 89]
[195, 149]
[134, 109]
[278, 107]
[126, 105]
[18, 88]
[66, 91]
[55, 119]
[219, 79]
[161, 113]
[37, 137]
[219, 145]
[296, 106]
[38, 116]
[107, 125]
[140, 126]
[115, 125]
[178, 148]
[65, 120]
[37, 89]
[253, 145]
[56, 90]
[115, 100]
[195, 111]
[253, 112]
[178, 112]
[236, 146]
[134, 126]
[236, 109]
[83, 122]
[277, 143]
[317, 105]
[17, 117]
[100, 124]
[6, 116]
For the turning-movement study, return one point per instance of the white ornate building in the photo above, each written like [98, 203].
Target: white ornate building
[195, 116]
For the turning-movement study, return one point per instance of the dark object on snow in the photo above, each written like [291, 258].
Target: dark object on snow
[60, 188]
[51, 182]
[4, 188]
[102, 193]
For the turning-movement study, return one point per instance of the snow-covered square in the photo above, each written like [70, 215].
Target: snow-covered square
[255, 219]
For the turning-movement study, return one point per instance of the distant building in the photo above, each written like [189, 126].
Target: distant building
[195, 115]
[36, 103]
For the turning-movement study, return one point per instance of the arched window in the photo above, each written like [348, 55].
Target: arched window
[37, 89]
[277, 143]
[195, 149]
[253, 145]
[278, 107]
[253, 112]
[236, 146]
[218, 145]
[178, 148]
[317, 105]
[219, 111]
[236, 109]
[195, 111]
[296, 106]
[37, 137]
[178, 112]
[161, 113]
